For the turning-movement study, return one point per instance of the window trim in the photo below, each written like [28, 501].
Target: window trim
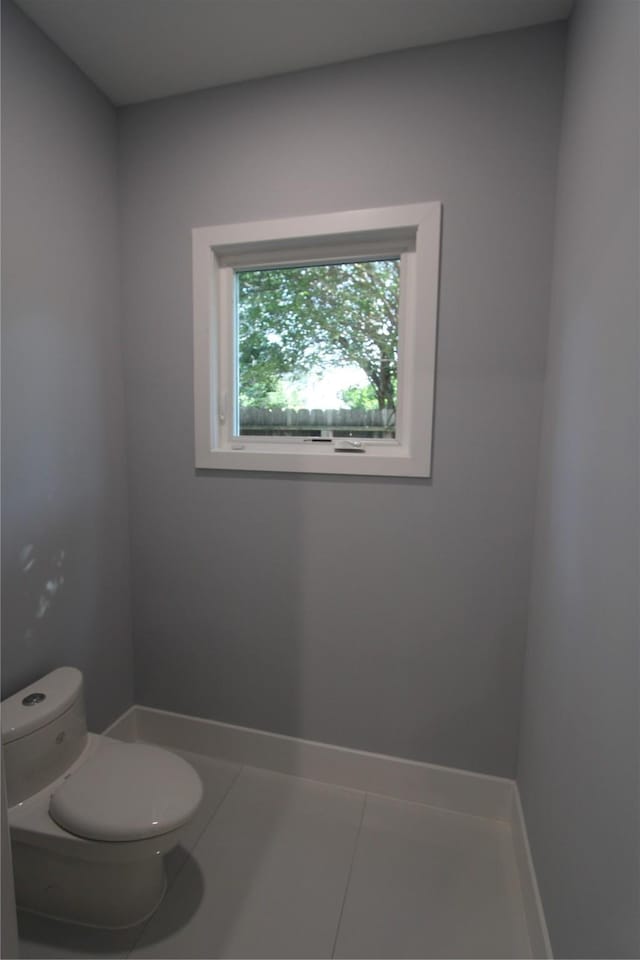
[410, 231]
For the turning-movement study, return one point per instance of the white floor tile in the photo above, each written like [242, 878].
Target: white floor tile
[217, 777]
[44, 939]
[264, 867]
[428, 883]
[267, 878]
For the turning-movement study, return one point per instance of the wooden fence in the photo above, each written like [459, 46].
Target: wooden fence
[256, 421]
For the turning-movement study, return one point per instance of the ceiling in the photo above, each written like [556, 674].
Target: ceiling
[137, 50]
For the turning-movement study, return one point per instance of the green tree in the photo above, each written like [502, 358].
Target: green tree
[294, 320]
[359, 398]
[262, 363]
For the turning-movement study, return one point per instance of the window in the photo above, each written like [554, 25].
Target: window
[317, 350]
[314, 342]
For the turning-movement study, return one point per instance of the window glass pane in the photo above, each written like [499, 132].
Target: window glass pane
[317, 350]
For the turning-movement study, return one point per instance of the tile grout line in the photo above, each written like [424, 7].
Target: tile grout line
[346, 887]
[189, 852]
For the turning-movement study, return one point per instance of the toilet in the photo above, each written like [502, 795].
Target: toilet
[91, 818]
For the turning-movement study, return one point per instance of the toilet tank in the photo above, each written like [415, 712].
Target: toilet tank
[44, 730]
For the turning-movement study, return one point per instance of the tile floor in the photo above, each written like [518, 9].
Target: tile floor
[277, 866]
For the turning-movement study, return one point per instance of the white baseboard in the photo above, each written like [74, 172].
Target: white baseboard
[124, 727]
[444, 787]
[481, 795]
[534, 912]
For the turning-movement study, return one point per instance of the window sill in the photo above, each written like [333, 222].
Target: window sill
[393, 461]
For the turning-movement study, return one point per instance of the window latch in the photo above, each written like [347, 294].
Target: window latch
[350, 446]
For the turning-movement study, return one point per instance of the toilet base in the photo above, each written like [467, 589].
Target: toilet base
[91, 893]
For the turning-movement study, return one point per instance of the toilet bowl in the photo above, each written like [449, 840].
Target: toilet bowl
[91, 818]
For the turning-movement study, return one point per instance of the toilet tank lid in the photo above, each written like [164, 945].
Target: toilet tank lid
[46, 699]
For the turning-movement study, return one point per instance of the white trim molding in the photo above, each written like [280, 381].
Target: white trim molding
[444, 787]
[533, 909]
[410, 232]
[124, 727]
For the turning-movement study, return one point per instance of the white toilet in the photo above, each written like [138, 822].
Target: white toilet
[90, 817]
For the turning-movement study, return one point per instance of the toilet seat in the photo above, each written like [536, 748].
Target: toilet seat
[127, 792]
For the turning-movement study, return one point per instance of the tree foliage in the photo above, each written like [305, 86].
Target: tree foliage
[359, 398]
[297, 320]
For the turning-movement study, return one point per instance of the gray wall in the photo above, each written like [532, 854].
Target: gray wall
[65, 549]
[386, 615]
[578, 769]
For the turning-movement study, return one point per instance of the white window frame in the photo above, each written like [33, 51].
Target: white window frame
[411, 232]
